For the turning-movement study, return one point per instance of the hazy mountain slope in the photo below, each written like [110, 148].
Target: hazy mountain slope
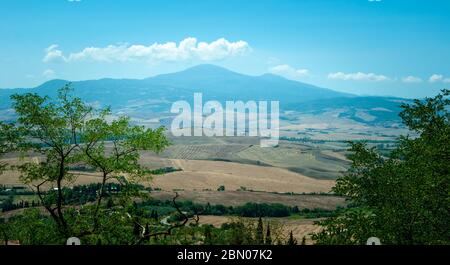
[371, 110]
[213, 81]
[221, 84]
[156, 94]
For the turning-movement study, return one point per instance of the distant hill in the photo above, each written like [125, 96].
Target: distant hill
[371, 110]
[155, 94]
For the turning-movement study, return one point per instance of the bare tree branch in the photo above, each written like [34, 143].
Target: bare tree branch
[168, 232]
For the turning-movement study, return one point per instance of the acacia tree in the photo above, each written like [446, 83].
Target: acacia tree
[113, 150]
[65, 132]
[404, 198]
[52, 128]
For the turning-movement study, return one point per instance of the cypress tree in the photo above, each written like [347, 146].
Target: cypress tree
[292, 241]
[268, 236]
[259, 237]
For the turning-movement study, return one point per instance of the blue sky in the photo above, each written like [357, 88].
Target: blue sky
[370, 47]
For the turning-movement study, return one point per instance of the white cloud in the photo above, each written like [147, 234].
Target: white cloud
[438, 78]
[289, 71]
[411, 79]
[49, 73]
[359, 76]
[435, 78]
[52, 54]
[189, 48]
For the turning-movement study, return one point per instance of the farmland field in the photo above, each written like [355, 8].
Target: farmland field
[200, 175]
[237, 198]
[204, 151]
[313, 163]
[209, 175]
[247, 172]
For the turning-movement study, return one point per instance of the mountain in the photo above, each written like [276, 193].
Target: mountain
[213, 81]
[156, 94]
[222, 84]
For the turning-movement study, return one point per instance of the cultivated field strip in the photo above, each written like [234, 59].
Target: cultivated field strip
[209, 175]
[238, 198]
[203, 151]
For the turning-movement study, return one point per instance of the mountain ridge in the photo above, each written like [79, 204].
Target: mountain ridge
[155, 94]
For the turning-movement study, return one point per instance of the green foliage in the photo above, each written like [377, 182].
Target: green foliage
[68, 134]
[247, 210]
[126, 141]
[353, 226]
[208, 238]
[239, 233]
[33, 228]
[164, 170]
[263, 209]
[403, 198]
[9, 139]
